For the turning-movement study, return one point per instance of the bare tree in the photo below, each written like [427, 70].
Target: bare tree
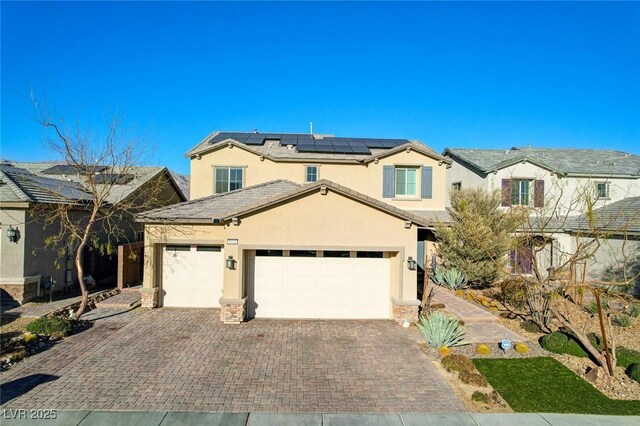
[101, 217]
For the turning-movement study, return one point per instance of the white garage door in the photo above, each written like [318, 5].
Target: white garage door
[320, 287]
[192, 276]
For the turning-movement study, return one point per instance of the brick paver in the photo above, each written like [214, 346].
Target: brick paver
[187, 360]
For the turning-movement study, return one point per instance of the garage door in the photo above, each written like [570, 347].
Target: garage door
[320, 287]
[192, 276]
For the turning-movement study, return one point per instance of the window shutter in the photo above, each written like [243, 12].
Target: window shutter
[538, 194]
[388, 182]
[506, 192]
[426, 182]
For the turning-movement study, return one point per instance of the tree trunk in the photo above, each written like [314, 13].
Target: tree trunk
[597, 355]
[80, 266]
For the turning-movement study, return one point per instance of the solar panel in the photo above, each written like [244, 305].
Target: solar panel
[304, 137]
[323, 146]
[342, 149]
[359, 148]
[305, 147]
[373, 143]
[388, 143]
[254, 139]
[289, 140]
[240, 137]
[66, 169]
[114, 178]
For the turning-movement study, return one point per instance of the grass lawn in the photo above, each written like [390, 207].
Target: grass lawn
[544, 385]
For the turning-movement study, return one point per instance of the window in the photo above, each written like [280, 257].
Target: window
[268, 253]
[406, 181]
[302, 253]
[457, 186]
[335, 253]
[520, 192]
[370, 254]
[311, 173]
[228, 179]
[602, 189]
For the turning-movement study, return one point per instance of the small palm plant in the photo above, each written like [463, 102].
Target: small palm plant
[622, 320]
[440, 330]
[452, 278]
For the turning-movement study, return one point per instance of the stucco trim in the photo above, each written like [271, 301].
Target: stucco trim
[411, 302]
[20, 280]
[14, 205]
[414, 146]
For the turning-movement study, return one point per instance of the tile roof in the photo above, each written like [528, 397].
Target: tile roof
[590, 162]
[620, 217]
[43, 183]
[243, 201]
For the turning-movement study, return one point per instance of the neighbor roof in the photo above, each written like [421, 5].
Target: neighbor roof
[298, 146]
[243, 201]
[620, 217]
[56, 183]
[583, 162]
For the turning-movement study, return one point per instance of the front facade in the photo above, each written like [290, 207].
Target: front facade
[27, 264]
[283, 229]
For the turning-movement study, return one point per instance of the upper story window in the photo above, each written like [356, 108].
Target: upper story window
[602, 190]
[228, 179]
[520, 192]
[310, 173]
[456, 186]
[406, 181]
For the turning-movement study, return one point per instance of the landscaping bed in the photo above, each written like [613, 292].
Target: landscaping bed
[544, 385]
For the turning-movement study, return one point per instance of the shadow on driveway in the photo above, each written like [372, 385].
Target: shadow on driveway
[15, 388]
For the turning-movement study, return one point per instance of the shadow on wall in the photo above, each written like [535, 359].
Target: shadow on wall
[612, 274]
[15, 388]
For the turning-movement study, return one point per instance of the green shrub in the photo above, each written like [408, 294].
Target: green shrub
[451, 278]
[441, 329]
[473, 378]
[555, 342]
[457, 363]
[592, 307]
[634, 311]
[634, 372]
[513, 292]
[531, 326]
[622, 320]
[626, 357]
[56, 326]
[481, 397]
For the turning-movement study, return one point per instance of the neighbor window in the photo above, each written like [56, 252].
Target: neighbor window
[228, 179]
[311, 173]
[456, 186]
[520, 192]
[602, 189]
[406, 181]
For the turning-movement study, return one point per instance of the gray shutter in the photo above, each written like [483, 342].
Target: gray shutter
[538, 194]
[388, 182]
[426, 182]
[506, 193]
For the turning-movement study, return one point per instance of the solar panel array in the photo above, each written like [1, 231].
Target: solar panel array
[66, 169]
[309, 143]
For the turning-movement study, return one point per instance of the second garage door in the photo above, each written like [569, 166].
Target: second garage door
[192, 276]
[320, 287]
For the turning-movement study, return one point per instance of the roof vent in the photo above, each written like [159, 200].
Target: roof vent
[289, 146]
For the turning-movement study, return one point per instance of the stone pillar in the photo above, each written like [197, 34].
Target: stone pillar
[233, 311]
[149, 297]
[405, 310]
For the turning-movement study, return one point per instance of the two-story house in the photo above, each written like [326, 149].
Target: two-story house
[297, 226]
[556, 185]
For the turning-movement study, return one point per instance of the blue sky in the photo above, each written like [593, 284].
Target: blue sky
[491, 75]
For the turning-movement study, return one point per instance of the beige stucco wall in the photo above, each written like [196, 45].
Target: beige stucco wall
[12, 254]
[315, 221]
[364, 178]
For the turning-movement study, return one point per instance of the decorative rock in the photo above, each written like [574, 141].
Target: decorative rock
[597, 376]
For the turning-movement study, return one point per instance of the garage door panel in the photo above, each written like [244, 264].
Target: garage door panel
[295, 287]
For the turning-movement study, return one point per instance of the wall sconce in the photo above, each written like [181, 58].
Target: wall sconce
[411, 263]
[12, 234]
[231, 263]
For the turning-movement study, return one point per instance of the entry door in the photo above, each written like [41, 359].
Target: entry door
[192, 276]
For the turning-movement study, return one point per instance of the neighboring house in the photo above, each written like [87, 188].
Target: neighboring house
[553, 183]
[26, 265]
[297, 226]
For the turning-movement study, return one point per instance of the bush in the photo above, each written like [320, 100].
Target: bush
[457, 363]
[627, 357]
[634, 372]
[481, 397]
[531, 326]
[555, 342]
[441, 329]
[634, 311]
[521, 348]
[56, 326]
[513, 292]
[622, 320]
[483, 349]
[473, 378]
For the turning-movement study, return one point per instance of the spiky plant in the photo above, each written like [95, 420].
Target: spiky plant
[452, 278]
[634, 311]
[440, 329]
[622, 320]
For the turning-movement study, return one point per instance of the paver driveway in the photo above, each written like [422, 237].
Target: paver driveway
[186, 359]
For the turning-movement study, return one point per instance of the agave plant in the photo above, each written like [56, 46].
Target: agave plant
[440, 329]
[450, 278]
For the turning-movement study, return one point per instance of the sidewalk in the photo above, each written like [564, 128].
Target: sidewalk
[482, 326]
[156, 418]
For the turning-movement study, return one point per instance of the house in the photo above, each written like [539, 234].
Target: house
[297, 226]
[555, 184]
[26, 264]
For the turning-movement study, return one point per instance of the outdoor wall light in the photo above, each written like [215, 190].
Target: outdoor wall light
[411, 264]
[231, 263]
[12, 234]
